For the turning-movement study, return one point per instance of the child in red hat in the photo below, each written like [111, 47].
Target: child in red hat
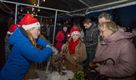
[74, 51]
[11, 29]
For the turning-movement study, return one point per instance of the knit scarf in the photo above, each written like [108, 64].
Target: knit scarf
[72, 45]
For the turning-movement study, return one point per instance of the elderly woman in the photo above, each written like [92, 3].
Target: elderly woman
[25, 43]
[116, 53]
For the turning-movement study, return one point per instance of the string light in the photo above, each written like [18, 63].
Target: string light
[36, 15]
[32, 9]
[21, 9]
[32, 14]
[37, 4]
[38, 10]
[27, 11]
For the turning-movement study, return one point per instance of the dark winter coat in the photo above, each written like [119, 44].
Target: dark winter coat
[91, 38]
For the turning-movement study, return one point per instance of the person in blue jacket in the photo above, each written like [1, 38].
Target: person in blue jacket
[24, 41]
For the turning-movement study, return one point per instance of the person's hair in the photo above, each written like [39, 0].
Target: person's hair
[111, 26]
[33, 41]
[87, 20]
[78, 26]
[105, 15]
[65, 25]
[30, 37]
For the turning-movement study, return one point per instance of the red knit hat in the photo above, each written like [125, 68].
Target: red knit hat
[12, 28]
[28, 22]
[74, 30]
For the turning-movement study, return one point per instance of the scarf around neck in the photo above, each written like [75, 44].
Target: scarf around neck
[72, 45]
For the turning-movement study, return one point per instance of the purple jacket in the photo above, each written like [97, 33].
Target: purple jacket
[121, 50]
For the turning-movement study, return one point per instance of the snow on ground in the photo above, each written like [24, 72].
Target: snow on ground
[54, 75]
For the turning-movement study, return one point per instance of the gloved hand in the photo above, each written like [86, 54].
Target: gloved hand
[55, 51]
[93, 66]
[48, 46]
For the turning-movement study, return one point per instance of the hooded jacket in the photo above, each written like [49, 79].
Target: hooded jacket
[120, 49]
[21, 56]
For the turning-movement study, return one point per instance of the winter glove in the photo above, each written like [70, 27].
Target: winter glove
[55, 51]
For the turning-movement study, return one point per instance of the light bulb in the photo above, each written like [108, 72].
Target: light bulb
[37, 4]
[38, 10]
[21, 10]
[32, 9]
[27, 11]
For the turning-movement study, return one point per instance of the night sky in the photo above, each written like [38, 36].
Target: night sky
[125, 16]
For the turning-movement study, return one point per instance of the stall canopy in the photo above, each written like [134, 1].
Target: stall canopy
[67, 7]
[59, 8]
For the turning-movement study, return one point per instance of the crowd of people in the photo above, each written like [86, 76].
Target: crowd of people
[103, 49]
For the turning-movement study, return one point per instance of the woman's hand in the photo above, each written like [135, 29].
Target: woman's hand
[75, 58]
[94, 65]
[63, 46]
